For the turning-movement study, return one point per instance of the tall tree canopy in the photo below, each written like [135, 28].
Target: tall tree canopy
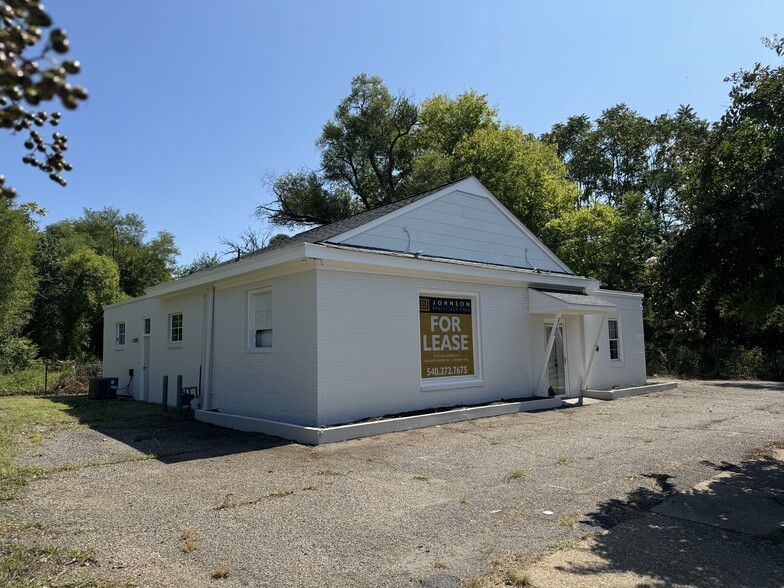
[379, 148]
[82, 264]
[30, 76]
[625, 152]
[735, 215]
[18, 236]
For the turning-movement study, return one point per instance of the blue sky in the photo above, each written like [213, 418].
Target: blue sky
[191, 102]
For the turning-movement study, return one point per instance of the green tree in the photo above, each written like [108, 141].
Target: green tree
[624, 152]
[379, 148]
[729, 258]
[30, 76]
[18, 235]
[90, 281]
[610, 243]
[364, 159]
[203, 261]
[117, 261]
[121, 237]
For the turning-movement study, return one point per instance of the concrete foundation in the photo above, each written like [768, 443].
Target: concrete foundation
[320, 435]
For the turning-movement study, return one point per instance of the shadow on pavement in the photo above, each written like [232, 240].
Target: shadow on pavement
[726, 531]
[168, 437]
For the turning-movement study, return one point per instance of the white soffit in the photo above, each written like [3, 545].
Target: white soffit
[544, 302]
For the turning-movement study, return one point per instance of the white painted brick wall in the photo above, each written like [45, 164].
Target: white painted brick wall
[165, 359]
[631, 371]
[280, 384]
[369, 349]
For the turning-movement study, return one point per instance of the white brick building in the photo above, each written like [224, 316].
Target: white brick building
[442, 299]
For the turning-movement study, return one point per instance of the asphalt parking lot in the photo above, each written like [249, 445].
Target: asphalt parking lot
[436, 507]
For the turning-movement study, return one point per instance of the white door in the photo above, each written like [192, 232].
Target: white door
[556, 363]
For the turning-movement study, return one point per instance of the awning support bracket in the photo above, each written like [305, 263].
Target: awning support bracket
[550, 343]
[594, 349]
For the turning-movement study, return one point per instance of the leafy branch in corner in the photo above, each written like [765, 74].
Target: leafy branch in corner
[29, 76]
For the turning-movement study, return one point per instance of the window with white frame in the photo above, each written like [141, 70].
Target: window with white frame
[260, 319]
[614, 331]
[119, 334]
[175, 327]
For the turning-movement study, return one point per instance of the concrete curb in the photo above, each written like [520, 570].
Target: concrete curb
[320, 435]
[633, 391]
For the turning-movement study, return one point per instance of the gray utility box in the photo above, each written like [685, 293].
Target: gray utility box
[103, 388]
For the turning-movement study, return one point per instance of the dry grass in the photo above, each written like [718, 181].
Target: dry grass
[561, 461]
[190, 541]
[765, 452]
[508, 570]
[439, 565]
[570, 521]
[221, 571]
[516, 475]
[422, 478]
[231, 501]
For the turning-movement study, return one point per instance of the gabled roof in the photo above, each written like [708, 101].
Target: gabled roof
[326, 232]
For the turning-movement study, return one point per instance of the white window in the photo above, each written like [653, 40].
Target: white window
[175, 327]
[260, 319]
[119, 334]
[614, 331]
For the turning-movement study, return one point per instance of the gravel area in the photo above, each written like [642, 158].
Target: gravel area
[424, 507]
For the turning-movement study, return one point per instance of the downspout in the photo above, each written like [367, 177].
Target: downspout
[210, 338]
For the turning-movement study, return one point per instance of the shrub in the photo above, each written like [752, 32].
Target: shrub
[16, 354]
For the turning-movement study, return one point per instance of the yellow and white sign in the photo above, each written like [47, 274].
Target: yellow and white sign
[447, 339]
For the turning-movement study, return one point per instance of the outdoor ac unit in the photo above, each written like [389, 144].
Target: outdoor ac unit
[103, 388]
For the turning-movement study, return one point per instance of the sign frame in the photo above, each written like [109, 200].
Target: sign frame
[452, 381]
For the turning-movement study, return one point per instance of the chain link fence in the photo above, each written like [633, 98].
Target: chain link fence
[46, 376]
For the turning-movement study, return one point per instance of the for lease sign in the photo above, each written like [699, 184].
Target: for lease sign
[447, 338]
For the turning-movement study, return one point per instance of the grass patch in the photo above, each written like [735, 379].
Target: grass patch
[516, 475]
[221, 571]
[422, 478]
[28, 420]
[48, 567]
[562, 461]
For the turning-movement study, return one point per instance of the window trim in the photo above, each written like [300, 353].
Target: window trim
[619, 361]
[170, 330]
[118, 335]
[250, 333]
[476, 380]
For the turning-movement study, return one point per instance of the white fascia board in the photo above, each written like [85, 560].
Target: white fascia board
[231, 270]
[619, 293]
[360, 260]
[125, 302]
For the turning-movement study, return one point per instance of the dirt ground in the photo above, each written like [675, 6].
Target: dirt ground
[431, 507]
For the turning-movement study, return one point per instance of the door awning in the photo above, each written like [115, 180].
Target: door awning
[547, 302]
